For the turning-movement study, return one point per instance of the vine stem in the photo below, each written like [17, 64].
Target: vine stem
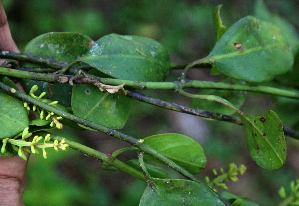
[139, 144]
[57, 78]
[111, 161]
[32, 59]
[182, 108]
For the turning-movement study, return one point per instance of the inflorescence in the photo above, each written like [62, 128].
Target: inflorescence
[20, 144]
[55, 119]
[20, 141]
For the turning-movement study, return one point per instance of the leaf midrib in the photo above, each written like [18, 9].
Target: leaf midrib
[245, 52]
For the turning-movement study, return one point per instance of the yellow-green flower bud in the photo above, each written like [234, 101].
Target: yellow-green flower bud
[41, 95]
[33, 89]
[53, 103]
[21, 153]
[4, 142]
[42, 114]
[47, 138]
[45, 153]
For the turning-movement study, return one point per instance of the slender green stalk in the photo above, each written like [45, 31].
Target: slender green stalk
[38, 70]
[111, 161]
[152, 85]
[202, 62]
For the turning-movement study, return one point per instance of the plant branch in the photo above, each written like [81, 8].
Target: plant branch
[182, 108]
[111, 161]
[56, 78]
[32, 59]
[139, 144]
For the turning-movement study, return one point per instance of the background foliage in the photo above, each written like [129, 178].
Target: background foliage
[185, 29]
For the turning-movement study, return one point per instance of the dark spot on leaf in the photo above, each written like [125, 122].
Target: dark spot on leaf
[278, 140]
[254, 121]
[283, 149]
[264, 135]
[257, 147]
[255, 134]
[262, 119]
[237, 45]
[282, 137]
[87, 91]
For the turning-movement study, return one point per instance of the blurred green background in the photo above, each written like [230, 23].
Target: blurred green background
[186, 31]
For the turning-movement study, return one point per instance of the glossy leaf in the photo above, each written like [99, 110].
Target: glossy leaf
[154, 171]
[265, 140]
[110, 110]
[129, 57]
[237, 201]
[9, 150]
[13, 116]
[58, 46]
[177, 192]
[219, 28]
[181, 149]
[251, 50]
[236, 98]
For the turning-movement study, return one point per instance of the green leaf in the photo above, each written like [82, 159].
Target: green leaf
[58, 46]
[237, 201]
[154, 171]
[236, 98]
[218, 26]
[252, 50]
[39, 122]
[110, 110]
[181, 149]
[265, 140]
[13, 115]
[177, 192]
[129, 57]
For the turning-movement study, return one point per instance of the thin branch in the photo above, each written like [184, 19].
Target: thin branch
[32, 59]
[183, 109]
[56, 78]
[111, 161]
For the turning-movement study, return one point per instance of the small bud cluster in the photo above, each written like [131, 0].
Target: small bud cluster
[20, 144]
[226, 176]
[55, 120]
[293, 198]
